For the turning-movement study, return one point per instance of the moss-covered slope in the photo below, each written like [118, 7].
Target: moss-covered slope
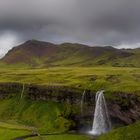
[131, 132]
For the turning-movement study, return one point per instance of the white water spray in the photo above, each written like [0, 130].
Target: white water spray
[101, 122]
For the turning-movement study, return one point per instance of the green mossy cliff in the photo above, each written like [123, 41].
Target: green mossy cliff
[57, 108]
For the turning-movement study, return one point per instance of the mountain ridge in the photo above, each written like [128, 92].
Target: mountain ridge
[42, 54]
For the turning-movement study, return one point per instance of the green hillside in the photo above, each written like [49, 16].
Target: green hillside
[42, 54]
[43, 116]
[21, 117]
[131, 132]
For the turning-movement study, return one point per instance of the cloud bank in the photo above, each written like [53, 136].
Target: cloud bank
[93, 22]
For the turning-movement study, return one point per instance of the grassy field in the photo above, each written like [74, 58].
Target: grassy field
[15, 125]
[12, 130]
[8, 134]
[63, 137]
[112, 79]
[131, 132]
[9, 131]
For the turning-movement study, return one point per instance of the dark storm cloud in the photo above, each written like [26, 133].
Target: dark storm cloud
[101, 22]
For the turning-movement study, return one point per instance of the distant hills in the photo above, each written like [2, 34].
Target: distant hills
[43, 54]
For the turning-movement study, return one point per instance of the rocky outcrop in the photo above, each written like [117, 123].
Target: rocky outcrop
[60, 94]
[8, 90]
[125, 107]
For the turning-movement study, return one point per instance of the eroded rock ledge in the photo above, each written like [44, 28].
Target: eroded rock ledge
[123, 107]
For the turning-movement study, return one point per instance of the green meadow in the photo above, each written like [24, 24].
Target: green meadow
[11, 130]
[63, 137]
[112, 79]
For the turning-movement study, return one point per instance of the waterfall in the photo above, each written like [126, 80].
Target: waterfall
[101, 122]
[22, 92]
[82, 101]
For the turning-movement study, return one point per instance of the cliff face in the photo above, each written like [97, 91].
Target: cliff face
[126, 108]
[123, 108]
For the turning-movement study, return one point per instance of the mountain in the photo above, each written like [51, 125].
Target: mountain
[42, 54]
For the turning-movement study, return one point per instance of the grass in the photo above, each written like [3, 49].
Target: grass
[8, 134]
[44, 116]
[53, 117]
[9, 131]
[131, 132]
[15, 125]
[21, 118]
[112, 79]
[63, 137]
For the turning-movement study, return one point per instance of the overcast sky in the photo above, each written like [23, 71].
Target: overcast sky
[93, 22]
